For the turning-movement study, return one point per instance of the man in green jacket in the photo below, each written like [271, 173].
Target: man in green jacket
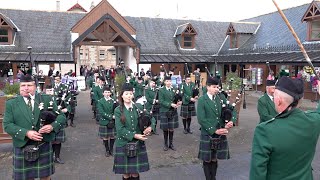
[214, 130]
[265, 105]
[22, 122]
[284, 147]
[97, 95]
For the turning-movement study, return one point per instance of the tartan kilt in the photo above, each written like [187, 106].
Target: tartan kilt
[156, 115]
[60, 137]
[185, 113]
[166, 123]
[105, 132]
[43, 167]
[207, 154]
[125, 165]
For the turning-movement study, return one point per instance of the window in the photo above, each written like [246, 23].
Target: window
[81, 53]
[113, 54]
[233, 41]
[314, 31]
[102, 54]
[4, 35]
[187, 42]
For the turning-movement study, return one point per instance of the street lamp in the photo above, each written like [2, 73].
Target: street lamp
[33, 72]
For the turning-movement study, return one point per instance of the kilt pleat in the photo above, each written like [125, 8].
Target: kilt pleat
[156, 115]
[125, 165]
[185, 113]
[105, 132]
[60, 137]
[207, 154]
[166, 123]
[43, 167]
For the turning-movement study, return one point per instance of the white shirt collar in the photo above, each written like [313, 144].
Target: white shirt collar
[210, 96]
[271, 97]
[128, 107]
[107, 98]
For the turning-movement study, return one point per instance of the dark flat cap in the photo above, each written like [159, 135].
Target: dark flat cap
[293, 87]
[127, 87]
[102, 78]
[188, 76]
[106, 88]
[271, 82]
[167, 78]
[26, 78]
[212, 81]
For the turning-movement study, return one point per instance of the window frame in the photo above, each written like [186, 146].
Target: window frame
[104, 54]
[9, 35]
[233, 40]
[183, 41]
[311, 30]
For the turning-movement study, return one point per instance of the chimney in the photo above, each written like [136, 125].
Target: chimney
[58, 6]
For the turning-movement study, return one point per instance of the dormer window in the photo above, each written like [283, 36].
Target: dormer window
[7, 30]
[185, 35]
[312, 17]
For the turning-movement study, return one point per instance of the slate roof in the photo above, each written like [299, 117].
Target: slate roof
[180, 29]
[42, 30]
[245, 27]
[156, 35]
[273, 31]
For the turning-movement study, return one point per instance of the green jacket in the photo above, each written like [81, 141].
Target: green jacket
[105, 109]
[187, 92]
[18, 119]
[150, 96]
[266, 108]
[166, 98]
[284, 147]
[138, 89]
[209, 114]
[97, 94]
[126, 132]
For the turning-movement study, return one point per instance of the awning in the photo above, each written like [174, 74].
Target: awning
[283, 57]
[158, 58]
[37, 57]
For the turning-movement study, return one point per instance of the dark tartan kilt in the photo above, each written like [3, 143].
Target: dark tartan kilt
[156, 115]
[185, 113]
[60, 137]
[125, 165]
[105, 132]
[166, 123]
[207, 154]
[43, 167]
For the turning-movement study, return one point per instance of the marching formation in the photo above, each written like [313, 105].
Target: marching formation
[128, 113]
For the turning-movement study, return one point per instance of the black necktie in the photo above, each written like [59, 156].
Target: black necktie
[130, 109]
[29, 103]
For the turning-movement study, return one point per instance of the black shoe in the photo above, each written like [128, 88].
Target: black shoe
[107, 154]
[165, 147]
[189, 131]
[185, 131]
[172, 147]
[59, 161]
[110, 153]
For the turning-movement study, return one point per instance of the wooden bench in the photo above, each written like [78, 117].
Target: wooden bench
[4, 137]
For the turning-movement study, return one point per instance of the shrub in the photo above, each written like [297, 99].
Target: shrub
[11, 89]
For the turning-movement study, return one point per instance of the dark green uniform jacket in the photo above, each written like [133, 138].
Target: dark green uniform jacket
[284, 147]
[165, 98]
[126, 132]
[187, 92]
[106, 110]
[150, 93]
[97, 93]
[18, 119]
[209, 113]
[266, 108]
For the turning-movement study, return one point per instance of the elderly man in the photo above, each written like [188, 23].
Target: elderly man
[265, 105]
[284, 147]
[22, 122]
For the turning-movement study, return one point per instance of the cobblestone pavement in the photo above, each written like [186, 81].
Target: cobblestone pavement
[84, 153]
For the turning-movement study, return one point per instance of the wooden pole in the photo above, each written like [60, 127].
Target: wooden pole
[296, 37]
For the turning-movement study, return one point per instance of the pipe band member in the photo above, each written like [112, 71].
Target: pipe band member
[168, 112]
[107, 131]
[213, 140]
[97, 95]
[188, 104]
[130, 156]
[152, 96]
[265, 105]
[22, 123]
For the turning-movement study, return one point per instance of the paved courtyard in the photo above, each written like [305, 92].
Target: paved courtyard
[84, 158]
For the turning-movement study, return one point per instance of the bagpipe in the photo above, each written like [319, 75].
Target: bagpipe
[227, 107]
[144, 118]
[155, 106]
